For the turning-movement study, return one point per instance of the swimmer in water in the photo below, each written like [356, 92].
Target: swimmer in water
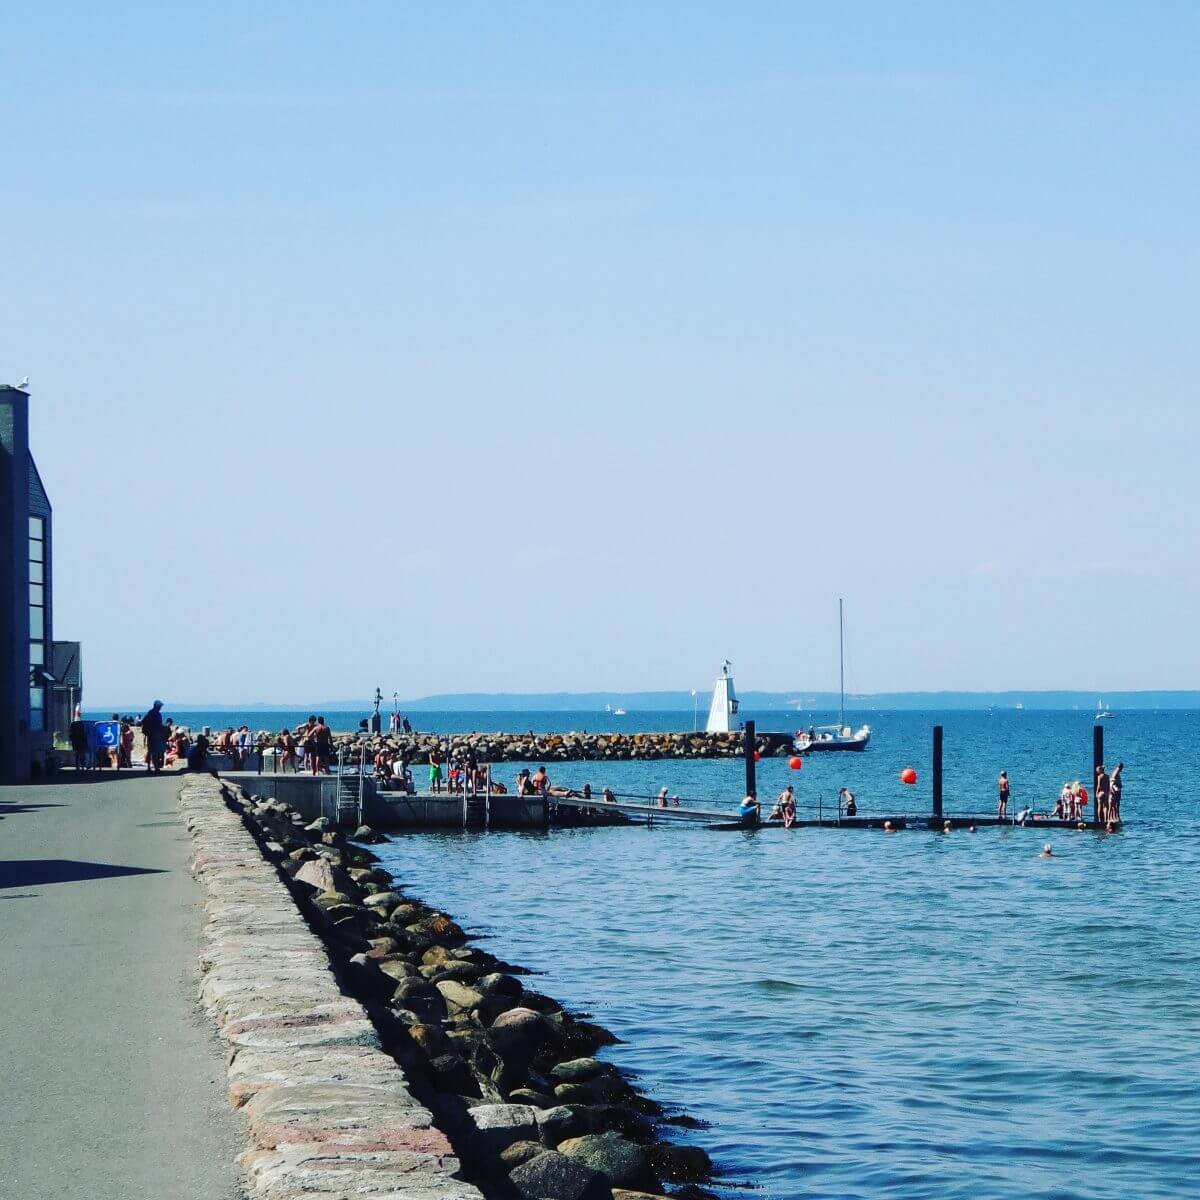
[1047, 851]
[970, 828]
[946, 827]
[888, 827]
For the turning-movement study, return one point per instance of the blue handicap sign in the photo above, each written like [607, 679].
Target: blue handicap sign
[108, 733]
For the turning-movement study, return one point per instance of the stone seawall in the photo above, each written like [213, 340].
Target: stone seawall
[569, 747]
[330, 1113]
[368, 1039]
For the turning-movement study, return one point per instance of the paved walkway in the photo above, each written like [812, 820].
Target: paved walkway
[114, 1086]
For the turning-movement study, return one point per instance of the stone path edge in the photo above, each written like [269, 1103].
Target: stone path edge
[330, 1113]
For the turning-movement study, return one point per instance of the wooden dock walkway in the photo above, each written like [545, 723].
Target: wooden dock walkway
[727, 819]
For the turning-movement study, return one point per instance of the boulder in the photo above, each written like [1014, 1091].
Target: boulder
[622, 1162]
[524, 1095]
[554, 1176]
[680, 1164]
[498, 984]
[519, 1152]
[420, 998]
[562, 1122]
[382, 902]
[322, 876]
[577, 1070]
[458, 997]
[498, 1126]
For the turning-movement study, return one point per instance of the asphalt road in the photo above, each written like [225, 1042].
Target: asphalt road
[112, 1082]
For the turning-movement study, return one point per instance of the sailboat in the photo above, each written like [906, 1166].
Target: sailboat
[839, 736]
[1102, 713]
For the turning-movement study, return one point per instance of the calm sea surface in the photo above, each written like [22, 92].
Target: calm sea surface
[864, 1014]
[857, 1014]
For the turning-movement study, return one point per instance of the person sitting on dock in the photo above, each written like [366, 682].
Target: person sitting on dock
[662, 797]
[846, 803]
[524, 783]
[610, 797]
[540, 781]
[749, 809]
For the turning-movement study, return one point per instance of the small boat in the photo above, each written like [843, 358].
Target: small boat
[839, 736]
[831, 737]
[618, 712]
[1102, 713]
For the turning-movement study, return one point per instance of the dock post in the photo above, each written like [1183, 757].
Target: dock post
[937, 771]
[748, 749]
[1097, 760]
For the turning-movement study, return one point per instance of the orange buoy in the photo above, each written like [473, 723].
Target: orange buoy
[795, 762]
[908, 775]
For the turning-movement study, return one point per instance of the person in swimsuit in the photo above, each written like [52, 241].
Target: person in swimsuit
[846, 800]
[1102, 782]
[435, 772]
[748, 810]
[1005, 790]
[1115, 785]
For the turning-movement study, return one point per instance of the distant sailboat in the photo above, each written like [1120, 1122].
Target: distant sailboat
[839, 736]
[1102, 713]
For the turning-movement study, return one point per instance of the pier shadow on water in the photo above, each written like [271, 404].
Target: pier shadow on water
[33, 872]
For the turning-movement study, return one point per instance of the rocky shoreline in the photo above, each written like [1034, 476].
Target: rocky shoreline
[565, 747]
[510, 1078]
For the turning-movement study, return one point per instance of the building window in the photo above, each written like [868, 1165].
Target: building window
[37, 618]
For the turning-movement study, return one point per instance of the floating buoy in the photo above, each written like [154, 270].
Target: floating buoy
[757, 756]
[908, 775]
[795, 762]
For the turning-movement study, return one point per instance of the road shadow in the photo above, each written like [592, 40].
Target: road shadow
[32, 872]
[9, 810]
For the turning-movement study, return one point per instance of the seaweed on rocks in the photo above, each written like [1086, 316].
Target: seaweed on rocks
[509, 1075]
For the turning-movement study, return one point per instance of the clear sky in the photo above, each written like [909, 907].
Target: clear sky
[540, 346]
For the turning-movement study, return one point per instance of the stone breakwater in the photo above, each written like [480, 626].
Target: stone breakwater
[566, 747]
[367, 1041]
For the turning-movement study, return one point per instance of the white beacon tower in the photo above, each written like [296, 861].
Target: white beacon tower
[724, 703]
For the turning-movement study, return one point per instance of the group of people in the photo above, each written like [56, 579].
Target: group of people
[1072, 799]
[308, 747]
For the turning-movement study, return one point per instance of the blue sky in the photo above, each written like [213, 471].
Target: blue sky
[529, 346]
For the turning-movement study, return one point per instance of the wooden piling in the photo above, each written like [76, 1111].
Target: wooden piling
[937, 770]
[748, 748]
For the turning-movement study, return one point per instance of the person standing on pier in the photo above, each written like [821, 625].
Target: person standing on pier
[435, 772]
[1102, 794]
[1115, 785]
[1005, 790]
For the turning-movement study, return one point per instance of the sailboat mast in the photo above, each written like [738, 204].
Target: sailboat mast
[841, 669]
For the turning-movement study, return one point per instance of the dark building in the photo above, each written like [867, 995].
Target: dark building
[26, 613]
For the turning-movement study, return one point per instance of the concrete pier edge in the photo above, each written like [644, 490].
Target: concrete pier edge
[329, 1112]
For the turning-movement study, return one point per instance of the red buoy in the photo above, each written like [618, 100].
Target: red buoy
[757, 756]
[908, 775]
[795, 762]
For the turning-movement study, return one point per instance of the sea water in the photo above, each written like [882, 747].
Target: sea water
[855, 1013]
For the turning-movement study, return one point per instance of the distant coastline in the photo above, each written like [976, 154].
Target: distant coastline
[682, 701]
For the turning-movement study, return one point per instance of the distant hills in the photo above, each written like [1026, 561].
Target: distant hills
[682, 701]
